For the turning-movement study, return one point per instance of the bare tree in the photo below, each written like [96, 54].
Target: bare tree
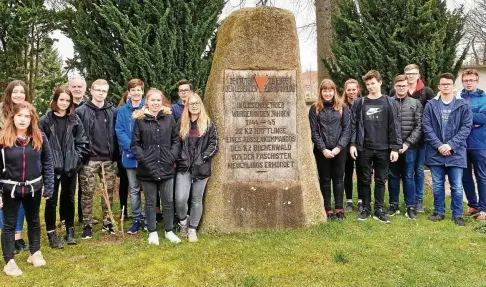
[476, 32]
[324, 11]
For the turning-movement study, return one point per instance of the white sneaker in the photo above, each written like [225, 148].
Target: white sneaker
[172, 237]
[11, 269]
[36, 259]
[153, 238]
[191, 235]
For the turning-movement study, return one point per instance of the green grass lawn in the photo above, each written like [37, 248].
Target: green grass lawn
[347, 253]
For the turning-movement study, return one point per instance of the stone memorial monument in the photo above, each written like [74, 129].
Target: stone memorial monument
[264, 176]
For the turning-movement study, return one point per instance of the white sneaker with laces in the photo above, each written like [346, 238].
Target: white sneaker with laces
[172, 237]
[192, 235]
[36, 259]
[11, 269]
[153, 238]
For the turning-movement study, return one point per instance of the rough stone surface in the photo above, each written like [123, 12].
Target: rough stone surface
[261, 39]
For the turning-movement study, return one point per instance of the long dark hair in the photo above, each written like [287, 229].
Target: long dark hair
[8, 105]
[57, 93]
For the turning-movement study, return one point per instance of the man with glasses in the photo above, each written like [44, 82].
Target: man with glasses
[417, 90]
[446, 123]
[476, 146]
[410, 111]
[98, 117]
[184, 88]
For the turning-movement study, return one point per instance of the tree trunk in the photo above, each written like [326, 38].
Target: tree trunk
[324, 10]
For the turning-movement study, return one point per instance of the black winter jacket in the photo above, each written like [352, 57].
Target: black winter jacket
[330, 128]
[357, 127]
[86, 113]
[68, 160]
[24, 163]
[410, 111]
[156, 146]
[207, 147]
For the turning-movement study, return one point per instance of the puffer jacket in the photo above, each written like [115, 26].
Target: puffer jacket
[458, 129]
[124, 131]
[68, 160]
[177, 109]
[23, 163]
[200, 165]
[410, 111]
[86, 113]
[156, 145]
[477, 102]
[330, 128]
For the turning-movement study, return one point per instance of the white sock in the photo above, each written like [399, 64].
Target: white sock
[51, 231]
[359, 200]
[349, 200]
[184, 222]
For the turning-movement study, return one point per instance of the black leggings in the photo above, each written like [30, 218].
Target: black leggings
[331, 170]
[123, 188]
[66, 208]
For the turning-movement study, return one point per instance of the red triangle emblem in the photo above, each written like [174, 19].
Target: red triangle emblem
[261, 81]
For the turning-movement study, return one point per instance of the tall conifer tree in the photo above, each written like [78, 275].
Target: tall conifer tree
[158, 41]
[386, 35]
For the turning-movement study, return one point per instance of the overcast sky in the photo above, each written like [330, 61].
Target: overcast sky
[302, 10]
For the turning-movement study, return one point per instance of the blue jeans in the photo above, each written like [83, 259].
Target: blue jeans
[403, 169]
[475, 159]
[135, 195]
[419, 171]
[454, 174]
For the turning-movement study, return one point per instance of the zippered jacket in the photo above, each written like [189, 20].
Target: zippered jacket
[410, 110]
[207, 147]
[330, 128]
[70, 159]
[23, 163]
[124, 131]
[477, 102]
[155, 145]
[458, 129]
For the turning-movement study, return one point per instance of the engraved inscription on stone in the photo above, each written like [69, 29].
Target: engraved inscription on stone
[260, 125]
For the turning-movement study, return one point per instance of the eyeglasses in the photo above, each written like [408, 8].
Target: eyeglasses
[101, 91]
[446, 85]
[411, 74]
[469, 81]
[401, 86]
[184, 91]
[195, 104]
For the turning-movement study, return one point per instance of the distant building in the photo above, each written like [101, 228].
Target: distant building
[310, 86]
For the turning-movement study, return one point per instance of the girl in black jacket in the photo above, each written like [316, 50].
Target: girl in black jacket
[199, 144]
[330, 130]
[156, 146]
[352, 91]
[26, 166]
[68, 144]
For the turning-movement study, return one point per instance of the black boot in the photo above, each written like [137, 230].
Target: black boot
[54, 241]
[20, 245]
[69, 238]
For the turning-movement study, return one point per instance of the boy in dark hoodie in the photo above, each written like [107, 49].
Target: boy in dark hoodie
[417, 90]
[98, 117]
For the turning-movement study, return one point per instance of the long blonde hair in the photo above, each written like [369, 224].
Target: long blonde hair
[328, 84]
[203, 121]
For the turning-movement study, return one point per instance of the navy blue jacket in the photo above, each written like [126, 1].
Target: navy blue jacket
[458, 129]
[176, 110]
[124, 131]
[24, 163]
[477, 102]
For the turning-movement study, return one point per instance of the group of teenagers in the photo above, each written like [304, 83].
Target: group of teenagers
[161, 149]
[392, 137]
